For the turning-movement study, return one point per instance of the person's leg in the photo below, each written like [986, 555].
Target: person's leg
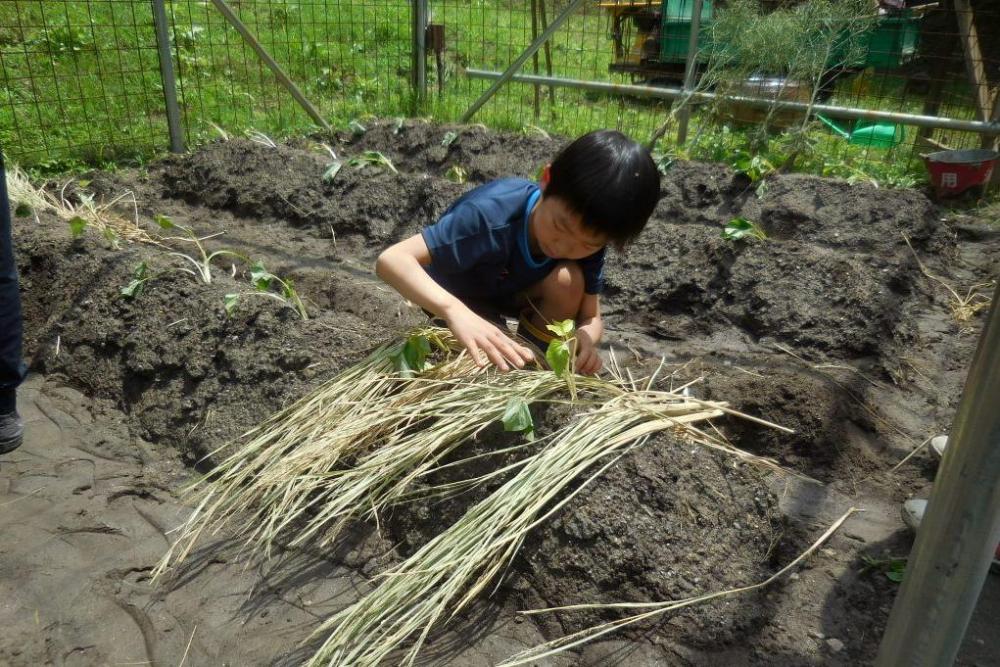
[12, 368]
[557, 297]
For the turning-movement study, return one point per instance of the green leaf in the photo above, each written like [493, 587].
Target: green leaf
[140, 275]
[415, 351]
[22, 210]
[133, 289]
[558, 356]
[260, 277]
[164, 222]
[332, 170]
[76, 226]
[456, 174]
[893, 575]
[287, 288]
[563, 329]
[449, 138]
[229, 302]
[517, 417]
[740, 228]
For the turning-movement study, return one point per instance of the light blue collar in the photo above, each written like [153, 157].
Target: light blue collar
[525, 247]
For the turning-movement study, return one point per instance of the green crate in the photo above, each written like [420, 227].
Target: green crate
[675, 29]
[893, 42]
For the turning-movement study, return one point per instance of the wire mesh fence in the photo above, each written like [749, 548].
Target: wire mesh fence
[80, 79]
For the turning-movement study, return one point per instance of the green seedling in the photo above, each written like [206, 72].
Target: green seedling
[111, 236]
[374, 159]
[893, 568]
[77, 226]
[333, 167]
[203, 263]
[262, 281]
[397, 125]
[411, 358]
[22, 211]
[449, 138]
[140, 276]
[740, 228]
[517, 418]
[560, 352]
[456, 174]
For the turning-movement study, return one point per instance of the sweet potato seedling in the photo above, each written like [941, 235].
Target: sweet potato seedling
[374, 159]
[140, 276]
[203, 263]
[739, 229]
[560, 352]
[456, 174]
[262, 281]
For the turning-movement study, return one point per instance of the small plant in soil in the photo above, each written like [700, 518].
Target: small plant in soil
[739, 229]
[333, 166]
[893, 568]
[357, 129]
[262, 281]
[456, 174]
[560, 352]
[373, 159]
[203, 262]
[517, 418]
[449, 138]
[140, 276]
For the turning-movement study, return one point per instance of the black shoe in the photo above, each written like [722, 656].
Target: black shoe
[11, 431]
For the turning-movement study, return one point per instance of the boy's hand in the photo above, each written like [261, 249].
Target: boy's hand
[588, 362]
[485, 342]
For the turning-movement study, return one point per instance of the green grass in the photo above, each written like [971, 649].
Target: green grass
[80, 82]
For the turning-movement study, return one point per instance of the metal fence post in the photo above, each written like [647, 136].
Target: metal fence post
[167, 75]
[961, 526]
[421, 15]
[684, 115]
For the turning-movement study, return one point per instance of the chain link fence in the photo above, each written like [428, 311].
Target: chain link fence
[80, 80]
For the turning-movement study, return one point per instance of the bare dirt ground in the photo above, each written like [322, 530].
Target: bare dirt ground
[829, 328]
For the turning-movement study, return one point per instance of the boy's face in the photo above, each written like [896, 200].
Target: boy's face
[560, 233]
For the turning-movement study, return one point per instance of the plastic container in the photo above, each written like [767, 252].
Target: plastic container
[893, 42]
[675, 30]
[954, 172]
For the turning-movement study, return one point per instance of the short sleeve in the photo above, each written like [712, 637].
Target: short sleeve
[463, 239]
[593, 272]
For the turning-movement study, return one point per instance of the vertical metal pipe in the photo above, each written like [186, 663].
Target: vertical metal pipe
[279, 73]
[167, 75]
[690, 68]
[534, 56]
[521, 59]
[961, 527]
[420, 19]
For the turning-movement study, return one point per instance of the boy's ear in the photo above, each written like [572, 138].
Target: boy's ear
[544, 176]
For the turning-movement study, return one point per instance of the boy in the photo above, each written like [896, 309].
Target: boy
[510, 247]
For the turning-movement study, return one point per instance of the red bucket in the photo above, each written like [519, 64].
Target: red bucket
[954, 172]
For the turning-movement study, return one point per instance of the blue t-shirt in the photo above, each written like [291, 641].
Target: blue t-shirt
[479, 248]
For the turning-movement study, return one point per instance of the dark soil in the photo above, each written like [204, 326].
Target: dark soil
[828, 328]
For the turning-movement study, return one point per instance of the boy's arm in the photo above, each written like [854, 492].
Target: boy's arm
[402, 267]
[589, 330]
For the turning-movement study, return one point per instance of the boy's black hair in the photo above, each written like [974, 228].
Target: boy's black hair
[610, 180]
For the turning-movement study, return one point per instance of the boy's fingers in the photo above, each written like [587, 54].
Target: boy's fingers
[494, 355]
[474, 352]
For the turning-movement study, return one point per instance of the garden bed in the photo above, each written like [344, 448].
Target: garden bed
[829, 327]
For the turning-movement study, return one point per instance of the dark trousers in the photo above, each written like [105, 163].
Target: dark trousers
[12, 367]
